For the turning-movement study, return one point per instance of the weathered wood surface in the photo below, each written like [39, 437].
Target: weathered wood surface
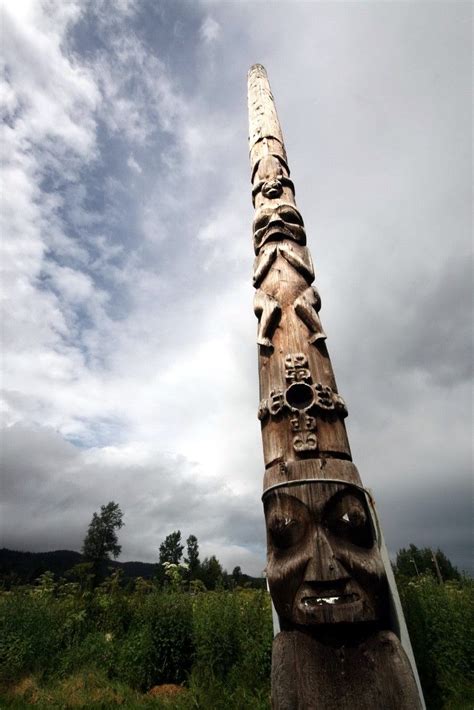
[300, 409]
[368, 673]
[324, 567]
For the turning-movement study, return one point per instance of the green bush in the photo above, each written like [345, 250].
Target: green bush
[256, 635]
[30, 634]
[233, 636]
[96, 650]
[216, 633]
[136, 659]
[159, 646]
[440, 620]
[218, 643]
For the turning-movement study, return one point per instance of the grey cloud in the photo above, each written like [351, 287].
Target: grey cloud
[375, 106]
[437, 339]
[438, 515]
[49, 497]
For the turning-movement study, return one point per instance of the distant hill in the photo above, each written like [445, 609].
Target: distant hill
[28, 566]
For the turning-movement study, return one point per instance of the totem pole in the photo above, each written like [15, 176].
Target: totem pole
[340, 640]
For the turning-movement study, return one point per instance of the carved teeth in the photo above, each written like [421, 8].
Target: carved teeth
[310, 602]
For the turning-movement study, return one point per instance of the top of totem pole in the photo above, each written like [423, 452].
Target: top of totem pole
[301, 411]
[265, 134]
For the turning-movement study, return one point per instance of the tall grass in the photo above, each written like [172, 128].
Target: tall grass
[217, 643]
[440, 620]
[60, 643]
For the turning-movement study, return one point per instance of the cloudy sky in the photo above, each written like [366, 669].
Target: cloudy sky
[129, 363]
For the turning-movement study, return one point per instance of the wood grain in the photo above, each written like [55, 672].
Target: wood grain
[324, 566]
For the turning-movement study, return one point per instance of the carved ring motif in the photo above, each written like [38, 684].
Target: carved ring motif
[299, 398]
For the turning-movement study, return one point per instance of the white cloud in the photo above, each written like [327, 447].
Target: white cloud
[210, 30]
[56, 98]
[128, 322]
[133, 165]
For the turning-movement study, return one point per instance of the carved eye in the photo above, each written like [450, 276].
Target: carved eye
[291, 216]
[261, 222]
[285, 532]
[348, 519]
[287, 521]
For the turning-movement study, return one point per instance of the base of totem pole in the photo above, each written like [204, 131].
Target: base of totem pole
[370, 674]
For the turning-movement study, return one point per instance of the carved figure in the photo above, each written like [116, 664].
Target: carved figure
[307, 308]
[338, 645]
[324, 566]
[298, 256]
[271, 177]
[278, 222]
[268, 311]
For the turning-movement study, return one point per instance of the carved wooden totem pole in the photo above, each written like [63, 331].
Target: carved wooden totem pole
[340, 641]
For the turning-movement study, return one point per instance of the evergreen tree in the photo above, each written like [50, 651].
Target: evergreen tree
[237, 575]
[101, 541]
[192, 558]
[211, 572]
[413, 561]
[171, 549]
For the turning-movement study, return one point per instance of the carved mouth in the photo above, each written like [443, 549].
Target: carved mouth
[279, 229]
[329, 599]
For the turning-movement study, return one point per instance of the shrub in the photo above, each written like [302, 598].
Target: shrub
[440, 619]
[233, 636]
[30, 634]
[216, 633]
[159, 646]
[256, 635]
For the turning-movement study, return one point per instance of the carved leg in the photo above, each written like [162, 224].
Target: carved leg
[306, 307]
[268, 311]
[263, 263]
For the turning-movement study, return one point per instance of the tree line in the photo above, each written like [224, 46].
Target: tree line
[173, 566]
[178, 561]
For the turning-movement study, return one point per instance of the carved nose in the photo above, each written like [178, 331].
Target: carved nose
[323, 566]
[276, 220]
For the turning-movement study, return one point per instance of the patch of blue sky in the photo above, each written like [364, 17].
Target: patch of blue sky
[97, 432]
[169, 30]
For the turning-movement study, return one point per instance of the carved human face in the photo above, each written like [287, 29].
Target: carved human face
[276, 223]
[323, 563]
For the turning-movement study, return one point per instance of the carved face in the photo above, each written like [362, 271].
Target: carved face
[324, 565]
[276, 223]
[271, 177]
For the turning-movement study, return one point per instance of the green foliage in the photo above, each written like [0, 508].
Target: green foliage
[216, 620]
[217, 643]
[31, 631]
[171, 549]
[90, 689]
[413, 561]
[440, 620]
[82, 574]
[175, 575]
[196, 586]
[45, 585]
[93, 690]
[159, 646]
[213, 641]
[211, 573]
[192, 557]
[101, 540]
[94, 650]
[233, 636]
[236, 575]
